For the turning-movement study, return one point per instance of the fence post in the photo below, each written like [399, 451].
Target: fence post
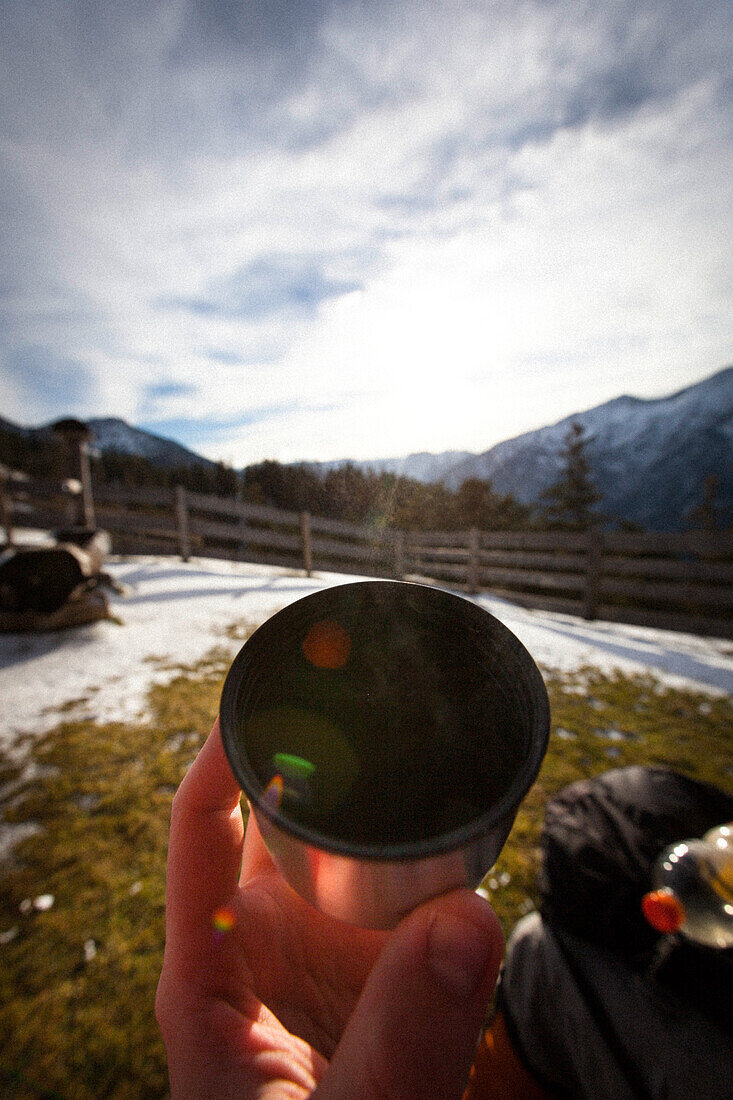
[6, 505]
[473, 559]
[305, 535]
[399, 555]
[593, 571]
[184, 541]
[87, 496]
[242, 545]
[76, 435]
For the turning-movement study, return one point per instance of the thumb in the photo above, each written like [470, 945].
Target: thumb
[414, 1030]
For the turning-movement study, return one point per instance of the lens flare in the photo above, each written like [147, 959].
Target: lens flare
[664, 912]
[327, 645]
[223, 920]
[272, 796]
[291, 781]
[290, 764]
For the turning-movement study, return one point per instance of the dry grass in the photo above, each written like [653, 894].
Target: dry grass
[77, 980]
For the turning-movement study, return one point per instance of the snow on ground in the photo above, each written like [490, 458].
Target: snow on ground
[172, 613]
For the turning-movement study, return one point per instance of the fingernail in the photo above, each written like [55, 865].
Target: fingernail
[458, 952]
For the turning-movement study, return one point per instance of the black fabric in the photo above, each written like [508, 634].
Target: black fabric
[626, 1066]
[600, 840]
[594, 1028]
[703, 977]
[538, 1072]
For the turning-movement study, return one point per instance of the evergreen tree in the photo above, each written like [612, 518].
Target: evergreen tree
[706, 515]
[226, 481]
[477, 504]
[572, 499]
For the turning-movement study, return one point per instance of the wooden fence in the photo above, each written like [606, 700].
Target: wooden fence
[671, 581]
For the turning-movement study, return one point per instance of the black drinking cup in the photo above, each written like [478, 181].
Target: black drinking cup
[384, 734]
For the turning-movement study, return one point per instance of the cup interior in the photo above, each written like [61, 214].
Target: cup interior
[384, 717]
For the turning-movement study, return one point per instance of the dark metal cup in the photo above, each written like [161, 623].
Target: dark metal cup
[384, 734]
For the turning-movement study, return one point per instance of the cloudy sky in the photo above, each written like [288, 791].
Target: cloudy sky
[324, 228]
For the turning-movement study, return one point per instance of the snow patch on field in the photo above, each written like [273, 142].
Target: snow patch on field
[172, 613]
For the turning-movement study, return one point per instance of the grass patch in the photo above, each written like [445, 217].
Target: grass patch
[601, 722]
[77, 979]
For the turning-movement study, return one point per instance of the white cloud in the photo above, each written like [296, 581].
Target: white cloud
[525, 206]
[593, 274]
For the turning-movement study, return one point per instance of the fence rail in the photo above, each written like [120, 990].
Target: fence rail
[672, 581]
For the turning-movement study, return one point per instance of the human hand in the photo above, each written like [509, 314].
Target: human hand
[288, 1001]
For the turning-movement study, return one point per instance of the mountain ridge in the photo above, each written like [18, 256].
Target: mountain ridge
[649, 457]
[114, 433]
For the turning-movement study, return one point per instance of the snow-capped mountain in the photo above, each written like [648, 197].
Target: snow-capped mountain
[422, 466]
[649, 458]
[113, 434]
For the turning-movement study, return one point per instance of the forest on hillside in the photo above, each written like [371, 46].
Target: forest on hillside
[349, 492]
[346, 493]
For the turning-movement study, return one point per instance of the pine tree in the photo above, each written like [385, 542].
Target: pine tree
[705, 515]
[572, 499]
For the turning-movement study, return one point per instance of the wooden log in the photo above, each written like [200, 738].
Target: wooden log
[214, 531]
[460, 554]
[534, 540]
[508, 579]
[399, 555]
[131, 543]
[534, 559]
[593, 569]
[473, 560]
[184, 541]
[305, 535]
[256, 513]
[423, 540]
[349, 551]
[707, 544]
[82, 608]
[161, 525]
[351, 531]
[645, 592]
[42, 580]
[134, 497]
[707, 572]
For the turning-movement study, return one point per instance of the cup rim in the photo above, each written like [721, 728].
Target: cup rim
[505, 805]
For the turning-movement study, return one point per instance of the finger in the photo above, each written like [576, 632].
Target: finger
[415, 1027]
[205, 847]
[256, 859]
